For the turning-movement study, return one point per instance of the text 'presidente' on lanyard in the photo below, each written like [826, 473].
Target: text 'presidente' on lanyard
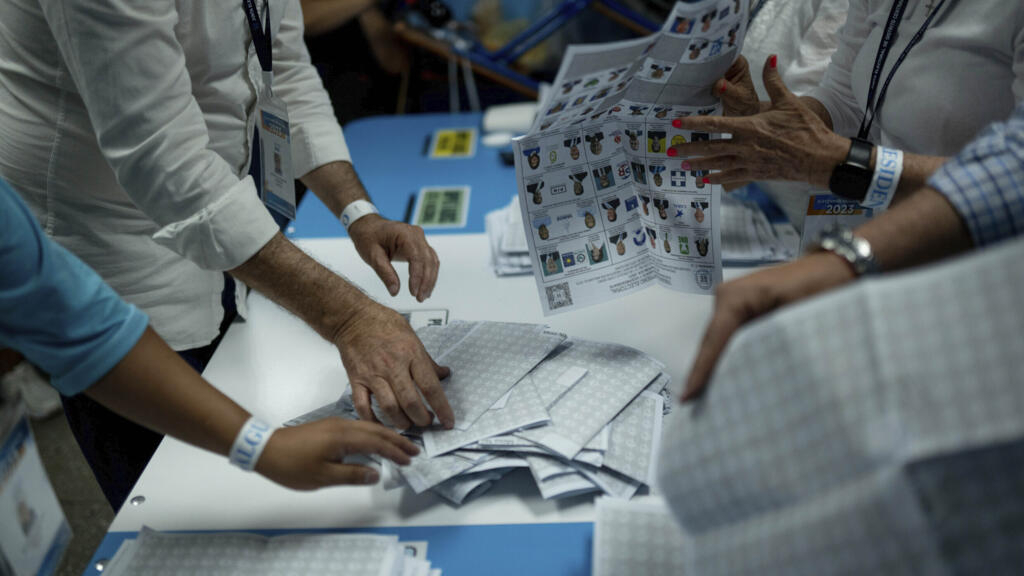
[874, 103]
[260, 34]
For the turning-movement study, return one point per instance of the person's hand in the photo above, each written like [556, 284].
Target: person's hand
[744, 299]
[383, 357]
[309, 456]
[787, 141]
[379, 241]
[736, 89]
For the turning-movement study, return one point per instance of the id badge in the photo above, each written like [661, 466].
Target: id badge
[826, 211]
[278, 181]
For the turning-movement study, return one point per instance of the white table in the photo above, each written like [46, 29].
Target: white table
[278, 368]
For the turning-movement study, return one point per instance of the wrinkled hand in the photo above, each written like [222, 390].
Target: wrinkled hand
[309, 456]
[787, 141]
[736, 89]
[383, 357]
[745, 299]
[379, 241]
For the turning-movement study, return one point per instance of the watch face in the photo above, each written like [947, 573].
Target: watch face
[850, 182]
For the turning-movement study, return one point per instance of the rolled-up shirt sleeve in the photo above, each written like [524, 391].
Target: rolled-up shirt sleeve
[835, 92]
[54, 309]
[317, 138]
[129, 70]
[985, 182]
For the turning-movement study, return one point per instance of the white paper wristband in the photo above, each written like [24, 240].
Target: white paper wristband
[356, 210]
[888, 170]
[249, 443]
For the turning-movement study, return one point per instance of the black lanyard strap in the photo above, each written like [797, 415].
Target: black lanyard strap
[260, 34]
[874, 103]
[755, 11]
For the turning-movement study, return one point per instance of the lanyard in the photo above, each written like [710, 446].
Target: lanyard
[874, 104]
[755, 11]
[260, 35]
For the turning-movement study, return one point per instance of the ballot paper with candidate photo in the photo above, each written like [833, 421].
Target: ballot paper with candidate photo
[614, 212]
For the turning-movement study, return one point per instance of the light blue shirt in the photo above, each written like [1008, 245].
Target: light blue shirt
[985, 182]
[54, 309]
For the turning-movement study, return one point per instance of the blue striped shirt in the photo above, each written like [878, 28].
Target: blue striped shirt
[985, 182]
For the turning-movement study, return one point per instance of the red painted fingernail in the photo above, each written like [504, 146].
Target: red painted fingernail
[677, 123]
[672, 152]
[721, 89]
[685, 165]
[707, 180]
[773, 61]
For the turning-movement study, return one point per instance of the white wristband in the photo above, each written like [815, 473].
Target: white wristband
[888, 170]
[356, 210]
[249, 443]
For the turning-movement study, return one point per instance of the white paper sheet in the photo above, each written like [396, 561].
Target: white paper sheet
[488, 362]
[636, 438]
[639, 538]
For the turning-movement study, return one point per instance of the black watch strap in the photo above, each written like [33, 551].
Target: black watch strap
[860, 153]
[852, 178]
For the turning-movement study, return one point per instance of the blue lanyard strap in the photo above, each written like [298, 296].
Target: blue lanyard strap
[874, 103]
[260, 34]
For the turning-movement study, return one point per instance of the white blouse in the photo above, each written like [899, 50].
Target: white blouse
[126, 125]
[966, 73]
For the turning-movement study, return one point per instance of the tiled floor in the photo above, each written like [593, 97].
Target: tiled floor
[80, 496]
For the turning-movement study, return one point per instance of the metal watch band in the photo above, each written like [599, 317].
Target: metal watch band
[844, 243]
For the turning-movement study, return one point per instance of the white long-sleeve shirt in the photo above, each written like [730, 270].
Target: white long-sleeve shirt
[126, 126]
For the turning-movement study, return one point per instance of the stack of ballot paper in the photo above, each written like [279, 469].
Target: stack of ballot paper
[510, 253]
[580, 416]
[255, 555]
[748, 237]
[639, 538]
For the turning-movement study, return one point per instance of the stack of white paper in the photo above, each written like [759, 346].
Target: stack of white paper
[510, 254]
[581, 416]
[245, 554]
[639, 538]
[748, 237]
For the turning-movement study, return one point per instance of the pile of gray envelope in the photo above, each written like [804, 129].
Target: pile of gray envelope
[580, 416]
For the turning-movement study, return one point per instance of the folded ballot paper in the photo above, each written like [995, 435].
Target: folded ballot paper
[241, 553]
[607, 206]
[510, 254]
[579, 416]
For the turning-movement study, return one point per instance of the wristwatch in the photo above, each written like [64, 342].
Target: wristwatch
[844, 243]
[852, 178]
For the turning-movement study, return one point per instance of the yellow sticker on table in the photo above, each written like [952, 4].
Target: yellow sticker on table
[453, 143]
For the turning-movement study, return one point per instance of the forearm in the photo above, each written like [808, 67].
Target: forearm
[337, 185]
[321, 16]
[154, 387]
[922, 228]
[303, 286]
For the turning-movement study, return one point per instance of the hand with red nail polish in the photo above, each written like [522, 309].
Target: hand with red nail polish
[677, 123]
[787, 140]
[672, 152]
[737, 92]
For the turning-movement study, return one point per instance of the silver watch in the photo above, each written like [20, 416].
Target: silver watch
[844, 243]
